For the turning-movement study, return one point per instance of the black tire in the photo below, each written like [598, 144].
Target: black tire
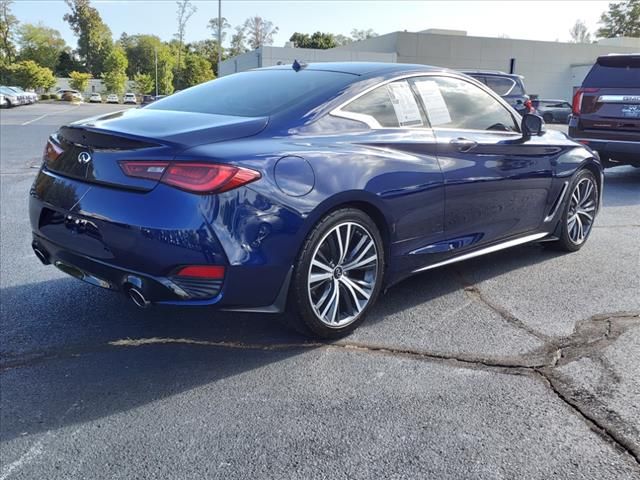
[548, 118]
[565, 242]
[300, 314]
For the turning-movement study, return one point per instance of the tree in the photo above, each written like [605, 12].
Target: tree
[141, 50]
[94, 37]
[143, 83]
[622, 20]
[238, 42]
[185, 11]
[197, 69]
[259, 31]
[28, 74]
[8, 24]
[41, 44]
[342, 40]
[358, 35]
[222, 27]
[318, 40]
[67, 63]
[208, 49]
[115, 75]
[579, 33]
[80, 81]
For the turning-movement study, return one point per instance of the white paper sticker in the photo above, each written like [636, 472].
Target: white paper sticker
[437, 110]
[404, 104]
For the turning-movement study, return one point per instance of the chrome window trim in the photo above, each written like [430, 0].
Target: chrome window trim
[373, 124]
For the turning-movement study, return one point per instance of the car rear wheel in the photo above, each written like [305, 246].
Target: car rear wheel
[337, 276]
[579, 212]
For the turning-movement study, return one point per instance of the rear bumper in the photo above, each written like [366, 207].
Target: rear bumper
[117, 239]
[614, 150]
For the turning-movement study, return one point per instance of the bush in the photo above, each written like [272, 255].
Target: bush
[45, 96]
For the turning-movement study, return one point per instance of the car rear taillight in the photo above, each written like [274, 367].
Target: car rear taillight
[193, 177]
[213, 272]
[577, 99]
[51, 152]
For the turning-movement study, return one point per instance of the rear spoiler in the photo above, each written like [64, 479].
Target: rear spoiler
[620, 61]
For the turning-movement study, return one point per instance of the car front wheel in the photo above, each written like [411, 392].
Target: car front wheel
[337, 276]
[579, 212]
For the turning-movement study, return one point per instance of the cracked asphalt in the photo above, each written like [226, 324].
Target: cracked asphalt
[522, 364]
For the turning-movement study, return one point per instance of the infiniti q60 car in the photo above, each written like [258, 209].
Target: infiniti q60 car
[305, 190]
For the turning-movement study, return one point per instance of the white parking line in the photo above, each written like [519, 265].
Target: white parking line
[48, 114]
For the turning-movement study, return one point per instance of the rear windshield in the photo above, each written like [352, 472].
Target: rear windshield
[614, 72]
[253, 94]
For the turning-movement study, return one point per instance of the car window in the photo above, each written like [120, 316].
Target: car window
[456, 103]
[500, 85]
[254, 93]
[615, 71]
[390, 105]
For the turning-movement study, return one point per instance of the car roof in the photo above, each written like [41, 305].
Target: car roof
[361, 68]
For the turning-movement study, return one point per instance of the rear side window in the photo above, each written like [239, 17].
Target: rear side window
[254, 93]
[501, 85]
[614, 72]
[391, 105]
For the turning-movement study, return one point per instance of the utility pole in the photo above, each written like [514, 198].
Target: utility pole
[219, 35]
[155, 50]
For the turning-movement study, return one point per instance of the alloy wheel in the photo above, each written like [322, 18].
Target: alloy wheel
[343, 274]
[582, 209]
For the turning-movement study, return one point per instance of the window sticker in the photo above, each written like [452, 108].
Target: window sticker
[437, 110]
[404, 104]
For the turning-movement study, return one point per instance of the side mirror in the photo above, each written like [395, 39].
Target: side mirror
[532, 125]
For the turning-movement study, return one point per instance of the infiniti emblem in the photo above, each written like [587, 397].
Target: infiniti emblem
[84, 157]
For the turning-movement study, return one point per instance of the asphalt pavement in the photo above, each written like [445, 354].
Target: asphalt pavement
[521, 364]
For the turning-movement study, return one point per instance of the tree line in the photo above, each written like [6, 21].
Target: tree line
[32, 56]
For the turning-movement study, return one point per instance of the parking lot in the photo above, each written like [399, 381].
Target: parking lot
[521, 364]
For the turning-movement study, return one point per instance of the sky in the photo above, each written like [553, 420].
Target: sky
[532, 20]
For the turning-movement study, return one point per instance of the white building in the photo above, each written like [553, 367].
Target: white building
[551, 69]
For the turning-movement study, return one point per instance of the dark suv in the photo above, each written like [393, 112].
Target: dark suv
[606, 110]
[508, 85]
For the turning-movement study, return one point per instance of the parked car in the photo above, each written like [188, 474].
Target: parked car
[343, 180]
[95, 98]
[112, 98]
[130, 98]
[21, 98]
[3, 103]
[509, 86]
[70, 94]
[29, 97]
[553, 110]
[11, 98]
[147, 99]
[606, 110]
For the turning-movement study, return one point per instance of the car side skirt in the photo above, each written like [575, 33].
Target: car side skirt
[485, 251]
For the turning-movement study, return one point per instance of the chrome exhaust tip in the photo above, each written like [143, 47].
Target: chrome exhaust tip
[41, 254]
[138, 298]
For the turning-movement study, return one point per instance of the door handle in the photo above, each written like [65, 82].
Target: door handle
[463, 144]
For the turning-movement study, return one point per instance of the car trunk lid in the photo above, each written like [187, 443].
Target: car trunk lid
[91, 150]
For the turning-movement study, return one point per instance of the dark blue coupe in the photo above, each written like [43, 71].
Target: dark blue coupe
[305, 189]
